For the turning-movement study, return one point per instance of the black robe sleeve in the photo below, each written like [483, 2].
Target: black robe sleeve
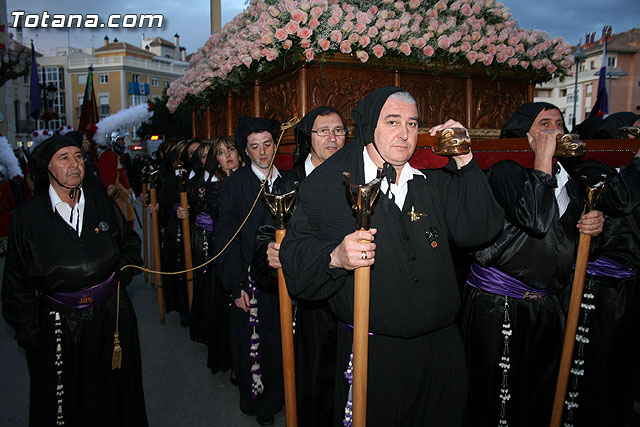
[19, 299]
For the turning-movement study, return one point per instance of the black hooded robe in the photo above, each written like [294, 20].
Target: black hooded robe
[46, 255]
[416, 359]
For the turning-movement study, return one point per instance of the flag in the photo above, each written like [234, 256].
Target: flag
[601, 107]
[89, 114]
[35, 95]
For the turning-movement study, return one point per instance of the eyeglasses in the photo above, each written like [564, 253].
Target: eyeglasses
[327, 131]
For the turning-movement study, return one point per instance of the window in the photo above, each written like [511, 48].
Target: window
[104, 78]
[167, 82]
[135, 78]
[104, 105]
[82, 79]
[166, 55]
[592, 65]
[563, 93]
[589, 89]
[154, 81]
[582, 67]
[611, 61]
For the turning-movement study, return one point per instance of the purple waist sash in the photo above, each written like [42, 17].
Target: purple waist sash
[89, 297]
[608, 267]
[348, 327]
[205, 222]
[496, 282]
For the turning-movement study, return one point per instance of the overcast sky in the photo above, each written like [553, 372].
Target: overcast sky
[569, 19]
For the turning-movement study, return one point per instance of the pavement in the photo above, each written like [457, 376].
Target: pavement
[179, 388]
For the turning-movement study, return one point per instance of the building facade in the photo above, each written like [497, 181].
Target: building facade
[623, 77]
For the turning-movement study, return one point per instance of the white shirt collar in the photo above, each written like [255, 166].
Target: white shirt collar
[308, 166]
[399, 190]
[275, 173]
[72, 216]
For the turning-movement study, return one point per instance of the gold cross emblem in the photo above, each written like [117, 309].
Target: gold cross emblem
[416, 216]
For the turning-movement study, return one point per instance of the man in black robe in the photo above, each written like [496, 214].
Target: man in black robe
[416, 360]
[254, 315]
[513, 322]
[66, 247]
[320, 134]
[607, 343]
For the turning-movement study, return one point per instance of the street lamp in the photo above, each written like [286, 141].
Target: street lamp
[578, 56]
[50, 94]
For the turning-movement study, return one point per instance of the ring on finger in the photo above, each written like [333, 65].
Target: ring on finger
[364, 255]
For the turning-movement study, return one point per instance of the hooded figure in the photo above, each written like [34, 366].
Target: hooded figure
[417, 374]
[247, 126]
[588, 127]
[519, 124]
[256, 351]
[303, 133]
[608, 129]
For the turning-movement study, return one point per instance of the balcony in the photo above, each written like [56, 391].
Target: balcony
[84, 63]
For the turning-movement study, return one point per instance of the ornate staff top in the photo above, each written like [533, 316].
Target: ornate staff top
[182, 173]
[149, 174]
[281, 205]
[363, 197]
[592, 192]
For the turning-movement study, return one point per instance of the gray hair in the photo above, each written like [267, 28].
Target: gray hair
[403, 96]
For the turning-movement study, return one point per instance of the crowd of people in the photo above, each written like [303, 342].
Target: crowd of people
[481, 351]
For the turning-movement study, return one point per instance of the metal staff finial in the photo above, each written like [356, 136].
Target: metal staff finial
[592, 192]
[363, 197]
[281, 205]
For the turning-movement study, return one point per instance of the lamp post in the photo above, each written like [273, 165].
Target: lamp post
[578, 56]
[50, 94]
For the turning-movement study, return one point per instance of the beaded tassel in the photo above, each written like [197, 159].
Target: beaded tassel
[505, 364]
[58, 364]
[348, 409]
[256, 371]
[577, 366]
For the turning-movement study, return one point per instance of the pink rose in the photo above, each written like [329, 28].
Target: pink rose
[287, 44]
[378, 51]
[537, 64]
[454, 49]
[405, 48]
[386, 36]
[299, 16]
[305, 43]
[304, 32]
[271, 54]
[488, 59]
[372, 32]
[256, 54]
[336, 36]
[524, 64]
[347, 26]
[333, 21]
[364, 41]
[513, 62]
[324, 44]
[345, 46]
[316, 12]
[361, 27]
[246, 60]
[551, 68]
[353, 38]
[308, 53]
[267, 37]
[475, 36]
[314, 23]
[472, 56]
[432, 13]
[413, 4]
[291, 27]
[492, 49]
[443, 42]
[362, 55]
[392, 44]
[403, 30]
[501, 57]
[441, 5]
[428, 51]
[466, 10]
[274, 11]
[281, 34]
[362, 18]
[465, 46]
[520, 48]
[513, 40]
[418, 43]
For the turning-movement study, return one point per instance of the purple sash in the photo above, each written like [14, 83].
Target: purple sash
[89, 297]
[496, 282]
[608, 267]
[348, 327]
[205, 222]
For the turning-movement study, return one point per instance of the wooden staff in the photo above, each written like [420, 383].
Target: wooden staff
[156, 247]
[186, 235]
[145, 237]
[363, 200]
[592, 195]
[280, 207]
